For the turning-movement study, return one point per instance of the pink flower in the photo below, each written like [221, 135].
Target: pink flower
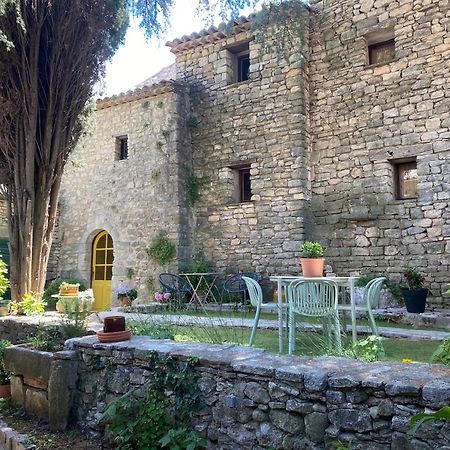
[158, 296]
[167, 295]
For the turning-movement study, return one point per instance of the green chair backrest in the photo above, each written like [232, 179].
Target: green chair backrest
[313, 298]
[254, 291]
[372, 292]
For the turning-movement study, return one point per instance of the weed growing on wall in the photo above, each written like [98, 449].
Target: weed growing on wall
[192, 186]
[158, 414]
[162, 249]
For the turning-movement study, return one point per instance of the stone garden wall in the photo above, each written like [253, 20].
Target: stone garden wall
[362, 118]
[133, 198]
[255, 400]
[3, 219]
[261, 123]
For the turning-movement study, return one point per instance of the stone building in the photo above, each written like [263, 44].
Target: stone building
[345, 141]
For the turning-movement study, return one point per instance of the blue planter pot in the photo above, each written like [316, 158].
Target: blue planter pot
[415, 300]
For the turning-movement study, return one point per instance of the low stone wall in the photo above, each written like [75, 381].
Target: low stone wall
[43, 383]
[17, 331]
[255, 400]
[12, 440]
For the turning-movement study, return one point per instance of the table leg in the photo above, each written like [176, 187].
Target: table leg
[353, 310]
[280, 315]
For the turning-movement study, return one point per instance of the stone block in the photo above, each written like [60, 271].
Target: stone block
[17, 390]
[315, 426]
[36, 403]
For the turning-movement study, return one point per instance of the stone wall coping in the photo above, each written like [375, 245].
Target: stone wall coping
[317, 374]
[137, 94]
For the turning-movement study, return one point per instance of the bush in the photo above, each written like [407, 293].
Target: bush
[311, 249]
[393, 288]
[53, 288]
[4, 283]
[442, 353]
[162, 249]
[4, 375]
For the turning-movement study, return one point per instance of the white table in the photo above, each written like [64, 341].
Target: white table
[284, 280]
[202, 279]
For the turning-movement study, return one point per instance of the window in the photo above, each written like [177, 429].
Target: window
[121, 148]
[245, 185]
[381, 46]
[240, 62]
[405, 179]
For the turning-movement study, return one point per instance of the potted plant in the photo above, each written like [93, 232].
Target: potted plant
[126, 295]
[5, 386]
[312, 260]
[414, 294]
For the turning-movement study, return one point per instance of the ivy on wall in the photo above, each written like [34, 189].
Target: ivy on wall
[162, 249]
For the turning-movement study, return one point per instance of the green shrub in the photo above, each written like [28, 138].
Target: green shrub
[31, 304]
[162, 249]
[53, 288]
[393, 288]
[46, 339]
[4, 283]
[417, 420]
[154, 330]
[4, 374]
[311, 249]
[370, 349]
[442, 353]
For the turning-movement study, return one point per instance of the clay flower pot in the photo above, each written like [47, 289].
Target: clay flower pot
[5, 390]
[125, 300]
[312, 267]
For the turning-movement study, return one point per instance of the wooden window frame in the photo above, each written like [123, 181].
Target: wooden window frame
[398, 166]
[239, 51]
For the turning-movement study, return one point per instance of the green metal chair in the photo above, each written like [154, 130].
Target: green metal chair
[313, 299]
[371, 300]
[256, 299]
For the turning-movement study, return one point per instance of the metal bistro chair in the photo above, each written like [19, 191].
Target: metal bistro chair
[256, 299]
[371, 300]
[174, 283]
[236, 285]
[313, 299]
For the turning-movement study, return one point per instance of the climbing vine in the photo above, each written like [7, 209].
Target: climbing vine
[193, 186]
[162, 249]
[157, 414]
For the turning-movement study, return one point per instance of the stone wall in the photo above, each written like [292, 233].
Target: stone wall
[261, 122]
[3, 219]
[362, 117]
[254, 400]
[133, 198]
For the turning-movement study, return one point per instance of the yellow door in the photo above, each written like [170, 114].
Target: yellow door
[102, 264]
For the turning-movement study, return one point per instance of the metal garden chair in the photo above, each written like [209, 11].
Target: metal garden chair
[371, 300]
[256, 299]
[236, 285]
[313, 299]
[174, 283]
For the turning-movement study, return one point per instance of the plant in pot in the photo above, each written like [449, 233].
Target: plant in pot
[414, 294]
[126, 295]
[5, 387]
[312, 260]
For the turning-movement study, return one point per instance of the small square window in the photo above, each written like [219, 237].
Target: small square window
[121, 148]
[405, 179]
[241, 183]
[240, 62]
[382, 52]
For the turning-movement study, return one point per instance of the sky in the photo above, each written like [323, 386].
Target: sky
[138, 59]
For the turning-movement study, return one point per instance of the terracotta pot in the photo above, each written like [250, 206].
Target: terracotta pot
[5, 390]
[112, 324]
[125, 301]
[312, 267]
[118, 336]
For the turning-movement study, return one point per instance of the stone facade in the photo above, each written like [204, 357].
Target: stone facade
[319, 133]
[363, 117]
[133, 198]
[253, 400]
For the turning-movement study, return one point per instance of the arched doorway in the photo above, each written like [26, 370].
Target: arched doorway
[102, 264]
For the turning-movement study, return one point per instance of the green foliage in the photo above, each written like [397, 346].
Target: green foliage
[192, 122]
[150, 285]
[129, 271]
[76, 312]
[165, 134]
[442, 353]
[311, 249]
[133, 293]
[418, 420]
[46, 339]
[53, 289]
[413, 278]
[160, 104]
[143, 417]
[342, 446]
[4, 374]
[31, 304]
[4, 283]
[154, 330]
[183, 439]
[370, 349]
[155, 175]
[162, 249]
[199, 265]
[394, 288]
[193, 186]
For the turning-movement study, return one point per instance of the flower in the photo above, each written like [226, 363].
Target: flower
[122, 290]
[407, 360]
[162, 296]
[414, 279]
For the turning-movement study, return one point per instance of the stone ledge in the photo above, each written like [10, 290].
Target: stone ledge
[12, 440]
